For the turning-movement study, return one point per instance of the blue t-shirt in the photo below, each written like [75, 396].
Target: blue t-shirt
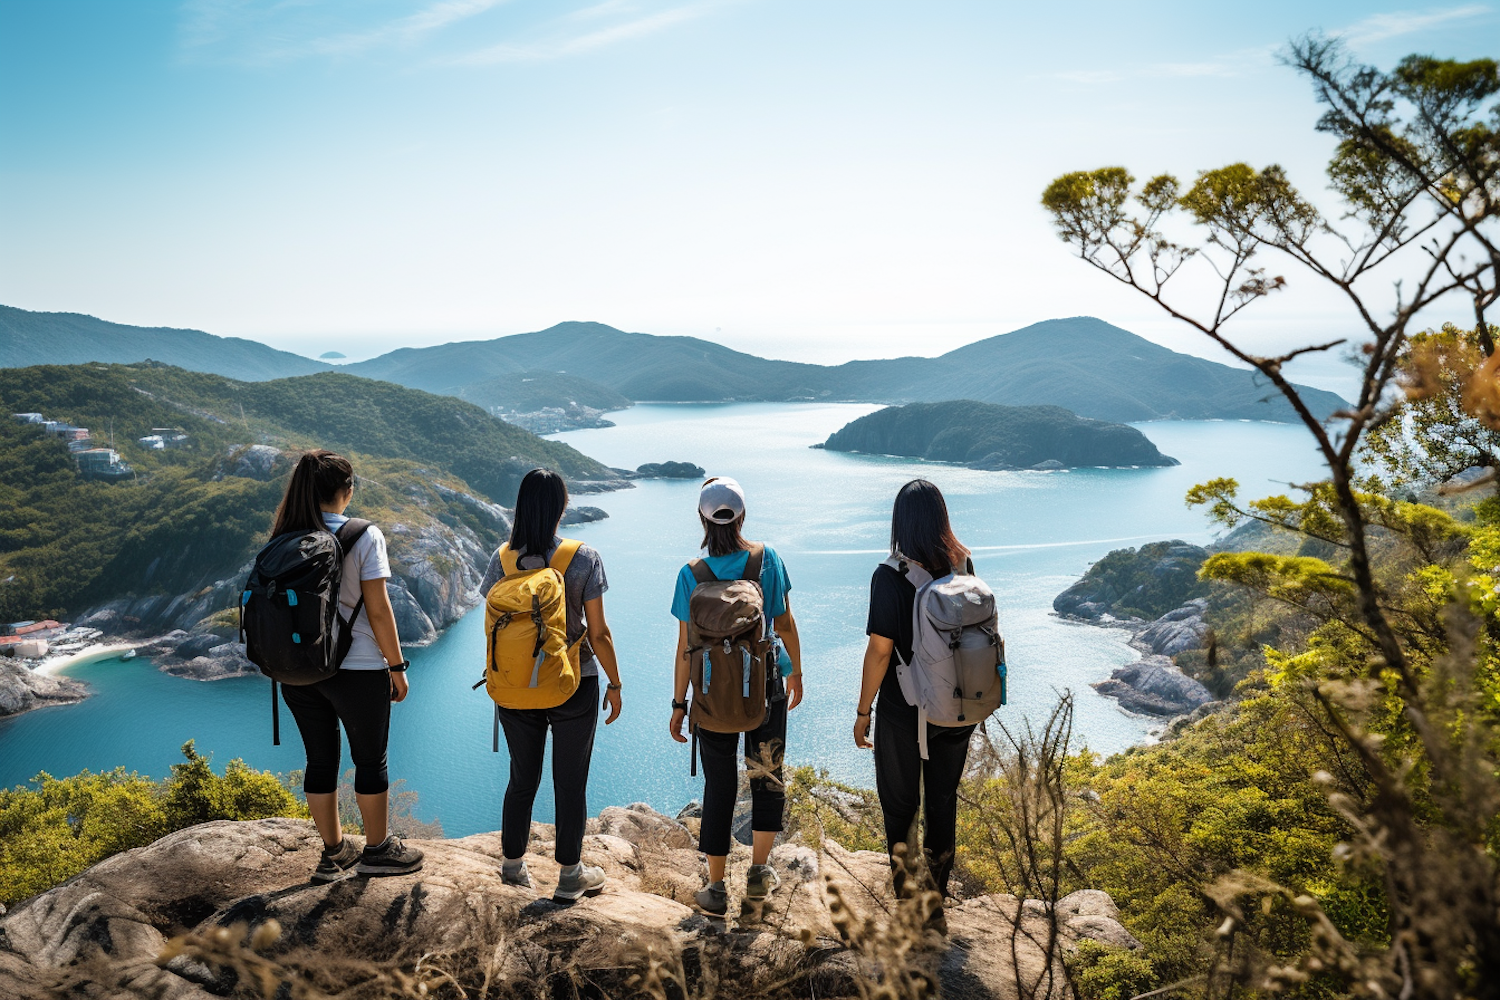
[774, 586]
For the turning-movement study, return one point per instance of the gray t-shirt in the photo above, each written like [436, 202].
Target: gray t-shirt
[366, 561]
[583, 582]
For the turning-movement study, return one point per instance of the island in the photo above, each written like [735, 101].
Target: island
[995, 437]
[670, 470]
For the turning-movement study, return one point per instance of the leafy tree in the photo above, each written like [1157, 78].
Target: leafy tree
[1400, 672]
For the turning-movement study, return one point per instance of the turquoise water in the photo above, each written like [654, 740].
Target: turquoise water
[827, 513]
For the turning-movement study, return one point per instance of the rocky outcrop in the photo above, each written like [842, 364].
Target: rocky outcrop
[22, 689]
[1135, 585]
[1154, 686]
[254, 461]
[670, 470]
[1175, 632]
[194, 913]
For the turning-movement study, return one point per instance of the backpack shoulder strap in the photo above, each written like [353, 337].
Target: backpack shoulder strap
[701, 572]
[351, 531]
[969, 565]
[563, 557]
[509, 563]
[754, 562]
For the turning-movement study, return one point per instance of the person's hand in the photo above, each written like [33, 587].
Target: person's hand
[612, 702]
[675, 726]
[862, 731]
[399, 686]
[793, 691]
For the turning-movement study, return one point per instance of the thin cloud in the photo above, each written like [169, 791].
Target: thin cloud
[1382, 27]
[589, 41]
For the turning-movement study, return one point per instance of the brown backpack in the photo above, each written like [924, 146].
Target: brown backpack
[729, 649]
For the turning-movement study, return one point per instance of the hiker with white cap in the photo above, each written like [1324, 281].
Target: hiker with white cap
[737, 648]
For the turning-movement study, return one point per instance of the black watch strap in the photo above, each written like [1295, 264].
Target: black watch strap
[400, 668]
[679, 705]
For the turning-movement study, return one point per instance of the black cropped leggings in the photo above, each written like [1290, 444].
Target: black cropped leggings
[572, 724]
[361, 700]
[719, 754]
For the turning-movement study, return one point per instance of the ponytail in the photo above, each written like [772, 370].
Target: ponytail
[319, 477]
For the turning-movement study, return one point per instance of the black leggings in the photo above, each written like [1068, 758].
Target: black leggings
[721, 780]
[573, 724]
[900, 777]
[361, 700]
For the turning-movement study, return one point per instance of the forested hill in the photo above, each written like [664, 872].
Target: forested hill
[192, 513]
[988, 436]
[1082, 364]
[45, 338]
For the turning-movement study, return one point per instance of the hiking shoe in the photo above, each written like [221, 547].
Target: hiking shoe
[336, 862]
[713, 899]
[761, 882]
[518, 876]
[390, 858]
[588, 881]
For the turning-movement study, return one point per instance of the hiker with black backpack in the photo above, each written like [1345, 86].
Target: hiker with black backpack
[937, 661]
[546, 642]
[737, 647]
[316, 619]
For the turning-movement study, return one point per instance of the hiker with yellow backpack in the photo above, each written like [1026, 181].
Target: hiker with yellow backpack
[738, 649]
[546, 641]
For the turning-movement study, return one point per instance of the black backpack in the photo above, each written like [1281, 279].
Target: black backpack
[289, 610]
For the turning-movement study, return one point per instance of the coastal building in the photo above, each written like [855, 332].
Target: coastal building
[102, 463]
[64, 430]
[29, 418]
[162, 438]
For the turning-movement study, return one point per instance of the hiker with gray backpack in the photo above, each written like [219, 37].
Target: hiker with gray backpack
[936, 660]
[738, 650]
[316, 618]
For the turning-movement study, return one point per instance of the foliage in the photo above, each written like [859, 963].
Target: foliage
[60, 826]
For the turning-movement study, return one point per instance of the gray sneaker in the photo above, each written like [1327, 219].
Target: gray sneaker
[761, 881]
[336, 863]
[713, 899]
[588, 882]
[519, 876]
[390, 858]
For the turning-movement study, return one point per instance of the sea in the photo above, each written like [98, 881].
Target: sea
[827, 513]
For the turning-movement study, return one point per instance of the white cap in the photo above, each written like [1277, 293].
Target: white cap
[721, 500]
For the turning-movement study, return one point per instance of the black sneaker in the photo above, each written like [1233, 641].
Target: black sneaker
[713, 899]
[390, 858]
[336, 862]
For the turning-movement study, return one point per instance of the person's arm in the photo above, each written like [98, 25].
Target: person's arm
[603, 644]
[382, 619]
[786, 631]
[679, 684]
[877, 662]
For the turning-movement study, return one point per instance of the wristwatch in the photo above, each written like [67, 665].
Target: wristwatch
[676, 705]
[400, 668]
[611, 687]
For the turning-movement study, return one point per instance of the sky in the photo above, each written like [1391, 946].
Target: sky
[818, 180]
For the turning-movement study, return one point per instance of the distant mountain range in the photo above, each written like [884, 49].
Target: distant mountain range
[43, 338]
[1083, 364]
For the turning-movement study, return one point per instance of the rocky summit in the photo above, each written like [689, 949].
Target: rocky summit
[214, 909]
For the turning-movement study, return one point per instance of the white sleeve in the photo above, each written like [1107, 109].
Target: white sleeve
[373, 563]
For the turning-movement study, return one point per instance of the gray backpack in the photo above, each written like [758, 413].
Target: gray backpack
[956, 676]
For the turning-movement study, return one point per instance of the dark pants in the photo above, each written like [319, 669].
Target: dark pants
[717, 752]
[361, 700]
[902, 777]
[573, 724]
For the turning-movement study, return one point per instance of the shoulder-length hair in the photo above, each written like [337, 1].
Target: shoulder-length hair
[920, 530]
[319, 477]
[539, 509]
[723, 539]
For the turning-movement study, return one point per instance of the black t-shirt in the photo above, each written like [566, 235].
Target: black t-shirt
[891, 600]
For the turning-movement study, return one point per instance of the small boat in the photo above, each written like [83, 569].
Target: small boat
[129, 654]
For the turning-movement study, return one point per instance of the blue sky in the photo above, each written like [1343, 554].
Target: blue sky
[815, 179]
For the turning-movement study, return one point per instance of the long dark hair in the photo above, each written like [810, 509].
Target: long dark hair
[319, 477]
[920, 530]
[539, 507]
[723, 539]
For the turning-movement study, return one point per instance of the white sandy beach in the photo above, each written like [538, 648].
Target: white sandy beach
[54, 665]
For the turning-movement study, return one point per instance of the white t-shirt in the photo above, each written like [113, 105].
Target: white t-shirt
[366, 561]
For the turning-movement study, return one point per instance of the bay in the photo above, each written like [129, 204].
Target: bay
[827, 513]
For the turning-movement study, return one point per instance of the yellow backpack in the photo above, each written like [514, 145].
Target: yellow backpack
[529, 662]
